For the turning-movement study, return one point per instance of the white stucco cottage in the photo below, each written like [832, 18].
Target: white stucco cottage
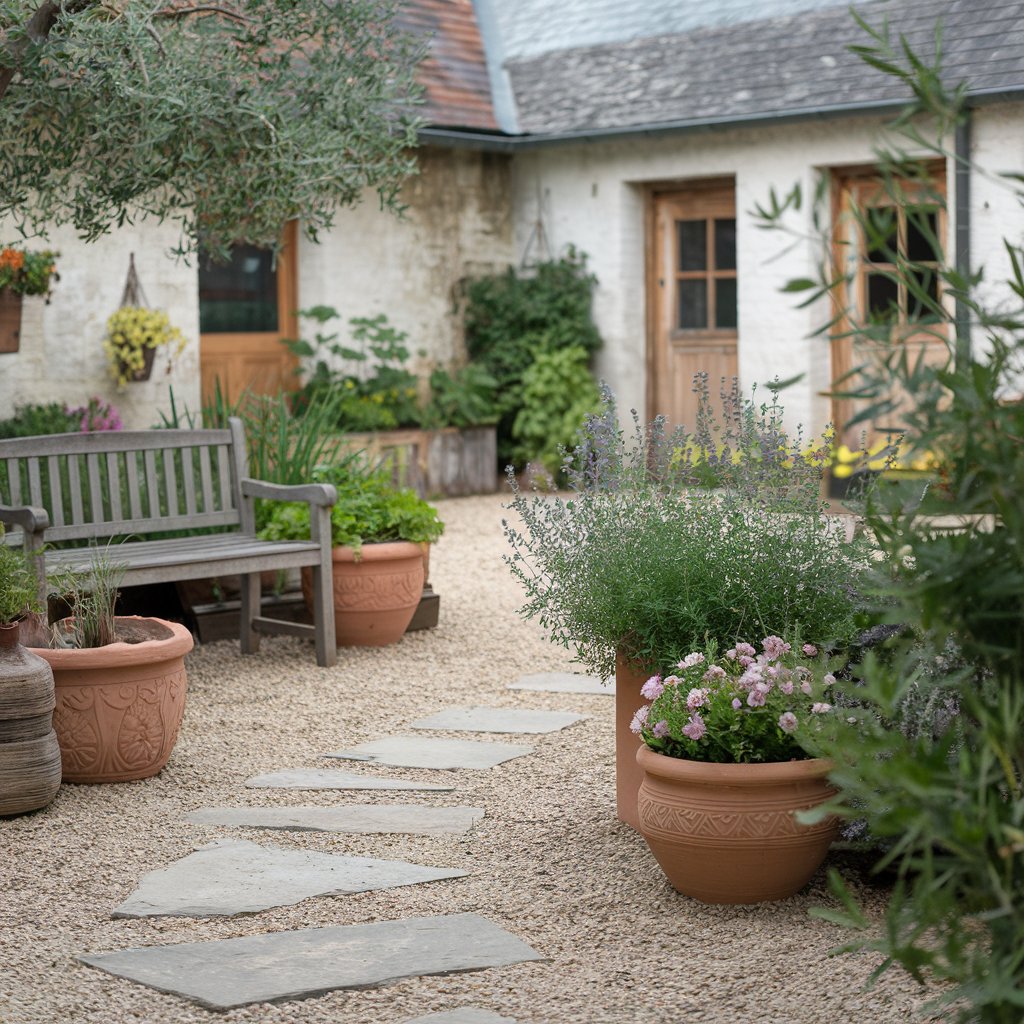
[643, 134]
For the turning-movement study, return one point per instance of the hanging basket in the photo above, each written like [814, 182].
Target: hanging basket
[145, 371]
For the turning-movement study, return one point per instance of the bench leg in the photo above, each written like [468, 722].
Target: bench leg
[250, 608]
[323, 618]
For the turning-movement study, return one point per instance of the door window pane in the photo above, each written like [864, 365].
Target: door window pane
[880, 229]
[923, 296]
[693, 244]
[725, 302]
[725, 244]
[922, 224]
[883, 299]
[239, 296]
[693, 305]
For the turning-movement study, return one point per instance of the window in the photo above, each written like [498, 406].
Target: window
[706, 274]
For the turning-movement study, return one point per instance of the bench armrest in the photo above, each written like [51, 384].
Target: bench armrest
[31, 520]
[312, 494]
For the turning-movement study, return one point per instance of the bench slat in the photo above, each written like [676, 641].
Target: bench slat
[206, 478]
[35, 485]
[14, 481]
[171, 480]
[152, 489]
[75, 487]
[188, 471]
[114, 484]
[53, 472]
[92, 463]
[224, 476]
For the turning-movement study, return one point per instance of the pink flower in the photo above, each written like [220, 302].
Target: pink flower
[787, 721]
[820, 708]
[731, 654]
[806, 687]
[653, 688]
[736, 703]
[695, 728]
[828, 679]
[640, 719]
[714, 672]
[746, 649]
[755, 698]
[786, 687]
[745, 660]
[810, 650]
[692, 659]
[660, 729]
[775, 647]
[695, 698]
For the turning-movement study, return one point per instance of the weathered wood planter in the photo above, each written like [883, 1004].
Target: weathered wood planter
[451, 462]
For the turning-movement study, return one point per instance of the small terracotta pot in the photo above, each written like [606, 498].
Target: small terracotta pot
[375, 597]
[119, 707]
[726, 833]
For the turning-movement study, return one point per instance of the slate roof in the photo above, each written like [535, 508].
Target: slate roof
[454, 72]
[775, 66]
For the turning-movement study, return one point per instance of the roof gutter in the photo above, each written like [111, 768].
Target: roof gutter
[495, 143]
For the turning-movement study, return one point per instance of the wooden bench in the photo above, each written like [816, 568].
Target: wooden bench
[120, 484]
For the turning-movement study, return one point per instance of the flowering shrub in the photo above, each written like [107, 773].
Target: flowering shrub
[97, 415]
[27, 273]
[745, 708]
[130, 332]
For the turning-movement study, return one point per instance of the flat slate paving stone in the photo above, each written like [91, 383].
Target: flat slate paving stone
[239, 877]
[335, 778]
[563, 682]
[480, 719]
[226, 973]
[357, 819]
[423, 752]
[463, 1015]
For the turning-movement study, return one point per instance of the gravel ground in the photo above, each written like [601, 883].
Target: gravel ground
[549, 862]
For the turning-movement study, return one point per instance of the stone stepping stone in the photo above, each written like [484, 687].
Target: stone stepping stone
[357, 819]
[480, 719]
[335, 778]
[226, 973]
[227, 878]
[463, 1015]
[422, 752]
[563, 682]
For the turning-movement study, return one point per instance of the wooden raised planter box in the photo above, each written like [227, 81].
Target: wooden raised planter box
[448, 463]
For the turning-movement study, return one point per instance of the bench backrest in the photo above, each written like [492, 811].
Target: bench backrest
[126, 482]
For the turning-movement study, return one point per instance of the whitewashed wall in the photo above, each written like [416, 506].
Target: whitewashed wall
[592, 196]
[61, 357]
[458, 224]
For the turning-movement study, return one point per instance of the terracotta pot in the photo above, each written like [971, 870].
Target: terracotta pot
[29, 754]
[726, 833]
[375, 597]
[119, 707]
[629, 677]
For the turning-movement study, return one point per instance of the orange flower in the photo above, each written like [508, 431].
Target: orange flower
[12, 258]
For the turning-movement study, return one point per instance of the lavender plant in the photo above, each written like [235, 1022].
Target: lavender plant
[644, 561]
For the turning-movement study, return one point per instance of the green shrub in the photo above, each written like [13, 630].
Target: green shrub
[465, 398]
[17, 584]
[37, 419]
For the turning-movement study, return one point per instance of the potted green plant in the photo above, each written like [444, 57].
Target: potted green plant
[644, 563]
[29, 754]
[21, 273]
[379, 533]
[134, 333]
[725, 770]
[120, 680]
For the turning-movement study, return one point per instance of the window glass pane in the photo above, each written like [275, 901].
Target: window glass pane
[880, 234]
[725, 244]
[693, 305]
[238, 296]
[922, 224]
[883, 299]
[725, 302]
[923, 296]
[693, 244]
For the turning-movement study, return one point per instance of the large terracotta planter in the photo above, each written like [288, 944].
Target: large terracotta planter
[629, 677]
[29, 754]
[376, 595]
[119, 707]
[726, 833]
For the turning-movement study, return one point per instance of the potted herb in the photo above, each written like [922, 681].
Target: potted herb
[29, 754]
[380, 535]
[725, 770]
[120, 680]
[134, 333]
[642, 564]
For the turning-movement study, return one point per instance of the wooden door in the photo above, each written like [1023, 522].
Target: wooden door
[246, 307]
[692, 283]
[876, 228]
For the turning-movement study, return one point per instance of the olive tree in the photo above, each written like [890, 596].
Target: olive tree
[228, 117]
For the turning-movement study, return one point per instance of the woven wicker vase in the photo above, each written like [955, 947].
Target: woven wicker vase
[726, 833]
[29, 754]
[119, 707]
[375, 597]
